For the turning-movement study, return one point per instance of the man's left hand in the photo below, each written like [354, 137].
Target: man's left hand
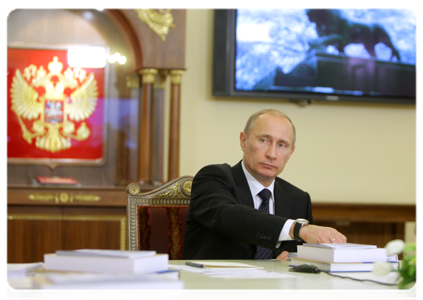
[283, 256]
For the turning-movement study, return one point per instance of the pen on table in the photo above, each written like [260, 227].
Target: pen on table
[193, 264]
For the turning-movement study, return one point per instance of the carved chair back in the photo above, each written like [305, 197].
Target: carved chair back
[156, 219]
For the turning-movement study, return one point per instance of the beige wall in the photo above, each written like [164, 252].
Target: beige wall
[346, 152]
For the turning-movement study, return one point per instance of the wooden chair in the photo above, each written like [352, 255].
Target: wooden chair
[156, 219]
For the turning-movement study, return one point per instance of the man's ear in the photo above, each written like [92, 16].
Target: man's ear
[242, 139]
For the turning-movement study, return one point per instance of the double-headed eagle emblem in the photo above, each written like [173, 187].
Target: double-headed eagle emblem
[40, 96]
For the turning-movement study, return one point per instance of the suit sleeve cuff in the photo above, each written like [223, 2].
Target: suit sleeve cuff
[284, 235]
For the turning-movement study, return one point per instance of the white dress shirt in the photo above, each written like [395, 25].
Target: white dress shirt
[255, 188]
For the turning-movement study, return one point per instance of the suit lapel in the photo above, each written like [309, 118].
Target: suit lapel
[283, 204]
[242, 185]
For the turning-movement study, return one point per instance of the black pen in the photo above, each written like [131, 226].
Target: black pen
[193, 264]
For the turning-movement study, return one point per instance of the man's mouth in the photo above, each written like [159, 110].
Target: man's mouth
[268, 166]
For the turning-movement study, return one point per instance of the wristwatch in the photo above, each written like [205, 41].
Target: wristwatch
[298, 224]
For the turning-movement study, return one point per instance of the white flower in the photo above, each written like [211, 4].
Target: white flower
[395, 247]
[381, 268]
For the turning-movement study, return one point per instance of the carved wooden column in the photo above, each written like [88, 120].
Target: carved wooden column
[148, 78]
[157, 130]
[174, 121]
[173, 162]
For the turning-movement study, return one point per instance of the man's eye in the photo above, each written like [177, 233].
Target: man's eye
[282, 145]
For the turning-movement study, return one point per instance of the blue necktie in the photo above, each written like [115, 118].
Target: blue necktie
[264, 253]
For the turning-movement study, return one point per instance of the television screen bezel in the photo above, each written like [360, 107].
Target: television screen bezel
[224, 59]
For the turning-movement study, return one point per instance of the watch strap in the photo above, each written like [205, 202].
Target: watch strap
[297, 228]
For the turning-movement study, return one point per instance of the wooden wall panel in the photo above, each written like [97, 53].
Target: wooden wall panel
[34, 230]
[377, 213]
[366, 223]
[28, 240]
[94, 227]
[91, 233]
[31, 232]
[369, 233]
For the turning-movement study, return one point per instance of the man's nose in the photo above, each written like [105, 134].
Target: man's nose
[271, 152]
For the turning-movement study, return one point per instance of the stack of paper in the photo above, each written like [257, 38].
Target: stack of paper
[106, 269]
[230, 270]
[22, 270]
[107, 261]
[346, 257]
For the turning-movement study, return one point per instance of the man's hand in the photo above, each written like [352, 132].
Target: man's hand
[316, 234]
[283, 255]
[320, 234]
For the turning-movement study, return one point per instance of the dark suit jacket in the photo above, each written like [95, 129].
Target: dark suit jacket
[222, 222]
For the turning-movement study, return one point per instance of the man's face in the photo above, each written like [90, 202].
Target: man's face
[268, 147]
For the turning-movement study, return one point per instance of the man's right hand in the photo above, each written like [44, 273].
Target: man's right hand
[319, 234]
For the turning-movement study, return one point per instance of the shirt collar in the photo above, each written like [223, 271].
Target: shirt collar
[255, 186]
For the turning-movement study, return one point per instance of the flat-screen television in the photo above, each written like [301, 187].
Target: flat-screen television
[316, 54]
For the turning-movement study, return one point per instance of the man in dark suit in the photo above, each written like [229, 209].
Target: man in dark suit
[246, 211]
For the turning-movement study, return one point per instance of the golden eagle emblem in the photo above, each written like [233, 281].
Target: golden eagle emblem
[40, 96]
[159, 22]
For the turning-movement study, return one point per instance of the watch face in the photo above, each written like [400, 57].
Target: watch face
[302, 221]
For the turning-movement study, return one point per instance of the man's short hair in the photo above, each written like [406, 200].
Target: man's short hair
[252, 119]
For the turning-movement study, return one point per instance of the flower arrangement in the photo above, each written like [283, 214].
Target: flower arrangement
[407, 270]
[408, 267]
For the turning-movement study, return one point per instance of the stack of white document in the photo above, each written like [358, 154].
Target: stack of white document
[106, 269]
[22, 270]
[342, 252]
[107, 261]
[342, 257]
